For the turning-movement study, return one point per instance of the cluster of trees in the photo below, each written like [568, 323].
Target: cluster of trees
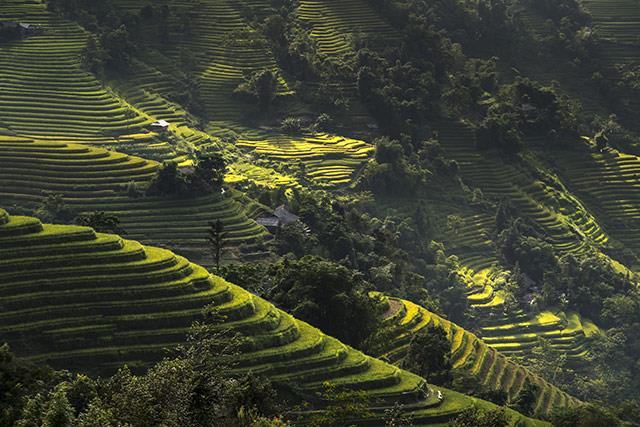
[101, 222]
[404, 168]
[393, 255]
[259, 87]
[568, 32]
[110, 48]
[115, 33]
[326, 294]
[525, 108]
[429, 355]
[205, 177]
[191, 388]
[588, 284]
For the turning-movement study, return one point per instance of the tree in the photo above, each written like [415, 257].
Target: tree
[32, 412]
[429, 355]
[118, 48]
[98, 414]
[261, 87]
[586, 415]
[93, 57]
[18, 380]
[54, 209]
[101, 222]
[525, 402]
[59, 412]
[397, 417]
[168, 181]
[476, 418]
[208, 175]
[216, 236]
[327, 295]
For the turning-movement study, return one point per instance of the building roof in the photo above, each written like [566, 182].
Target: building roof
[285, 216]
[161, 123]
[269, 221]
[187, 170]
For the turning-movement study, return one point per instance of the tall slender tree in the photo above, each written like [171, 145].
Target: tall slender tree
[216, 236]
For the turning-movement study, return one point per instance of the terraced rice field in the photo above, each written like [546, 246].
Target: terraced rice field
[564, 223]
[560, 217]
[566, 333]
[616, 20]
[335, 22]
[482, 360]
[44, 93]
[226, 47]
[326, 159]
[79, 299]
[148, 90]
[617, 23]
[608, 183]
[94, 179]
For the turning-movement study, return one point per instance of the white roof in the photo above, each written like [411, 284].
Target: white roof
[161, 123]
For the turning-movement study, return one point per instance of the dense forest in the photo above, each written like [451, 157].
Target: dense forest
[319, 213]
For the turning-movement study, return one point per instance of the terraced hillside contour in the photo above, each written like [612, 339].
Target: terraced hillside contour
[617, 23]
[324, 159]
[224, 44]
[559, 216]
[44, 93]
[608, 183]
[88, 301]
[335, 22]
[562, 220]
[469, 353]
[94, 179]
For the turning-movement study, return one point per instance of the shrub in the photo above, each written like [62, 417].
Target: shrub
[291, 125]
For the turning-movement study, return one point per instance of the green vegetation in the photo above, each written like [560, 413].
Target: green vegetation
[82, 179]
[477, 367]
[131, 302]
[473, 162]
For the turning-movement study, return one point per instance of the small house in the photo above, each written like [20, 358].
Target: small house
[187, 170]
[29, 28]
[271, 223]
[160, 126]
[281, 217]
[285, 217]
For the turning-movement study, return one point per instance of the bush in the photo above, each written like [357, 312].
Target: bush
[327, 295]
[291, 125]
[259, 87]
[429, 355]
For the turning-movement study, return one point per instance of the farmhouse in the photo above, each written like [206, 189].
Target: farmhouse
[281, 216]
[271, 223]
[160, 126]
[285, 217]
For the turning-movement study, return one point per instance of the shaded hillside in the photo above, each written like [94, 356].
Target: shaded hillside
[469, 353]
[94, 179]
[91, 302]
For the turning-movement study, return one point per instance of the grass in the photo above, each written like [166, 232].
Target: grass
[92, 309]
[94, 179]
[469, 353]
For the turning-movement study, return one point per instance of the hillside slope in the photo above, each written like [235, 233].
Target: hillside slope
[91, 302]
[94, 179]
[469, 353]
